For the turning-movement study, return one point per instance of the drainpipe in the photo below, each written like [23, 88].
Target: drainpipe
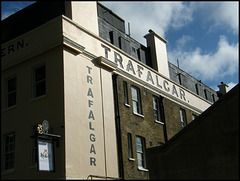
[163, 119]
[118, 127]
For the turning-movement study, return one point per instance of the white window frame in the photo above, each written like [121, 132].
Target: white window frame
[183, 117]
[137, 107]
[125, 92]
[157, 109]
[140, 148]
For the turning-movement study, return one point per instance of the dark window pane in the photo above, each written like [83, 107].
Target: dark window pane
[40, 74]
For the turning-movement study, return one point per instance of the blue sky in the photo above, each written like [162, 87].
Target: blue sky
[203, 36]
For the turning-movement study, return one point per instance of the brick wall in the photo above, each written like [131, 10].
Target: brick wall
[145, 125]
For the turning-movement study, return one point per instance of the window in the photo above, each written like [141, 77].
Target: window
[111, 37]
[213, 98]
[183, 117]
[205, 93]
[125, 90]
[130, 150]
[9, 151]
[196, 87]
[179, 78]
[156, 108]
[11, 92]
[140, 142]
[34, 146]
[136, 100]
[194, 116]
[39, 81]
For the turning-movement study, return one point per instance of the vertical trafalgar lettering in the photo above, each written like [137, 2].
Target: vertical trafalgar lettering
[91, 117]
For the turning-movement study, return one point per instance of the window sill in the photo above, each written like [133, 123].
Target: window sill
[37, 98]
[32, 166]
[5, 172]
[137, 114]
[8, 108]
[159, 122]
[131, 159]
[143, 169]
[127, 105]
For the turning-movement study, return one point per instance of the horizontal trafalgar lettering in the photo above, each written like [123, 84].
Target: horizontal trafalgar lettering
[146, 75]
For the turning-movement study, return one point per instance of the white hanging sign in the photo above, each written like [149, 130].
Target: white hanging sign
[45, 156]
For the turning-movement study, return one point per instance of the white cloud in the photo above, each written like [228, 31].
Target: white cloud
[231, 85]
[180, 43]
[209, 66]
[155, 15]
[221, 14]
[226, 13]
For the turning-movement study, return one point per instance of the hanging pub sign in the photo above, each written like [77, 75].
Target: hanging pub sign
[46, 147]
[45, 155]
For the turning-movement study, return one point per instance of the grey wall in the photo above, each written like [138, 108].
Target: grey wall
[208, 148]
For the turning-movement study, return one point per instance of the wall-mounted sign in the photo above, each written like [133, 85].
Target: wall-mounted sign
[45, 155]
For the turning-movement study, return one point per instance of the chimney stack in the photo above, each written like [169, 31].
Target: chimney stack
[158, 51]
[222, 89]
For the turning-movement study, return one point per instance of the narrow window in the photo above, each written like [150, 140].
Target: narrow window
[39, 81]
[183, 117]
[130, 150]
[213, 98]
[196, 87]
[125, 90]
[140, 143]
[9, 151]
[205, 93]
[136, 100]
[111, 37]
[120, 42]
[11, 92]
[156, 108]
[138, 54]
[179, 79]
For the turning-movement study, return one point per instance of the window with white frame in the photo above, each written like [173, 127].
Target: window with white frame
[156, 108]
[136, 100]
[140, 143]
[39, 81]
[9, 151]
[11, 92]
[183, 117]
[125, 91]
